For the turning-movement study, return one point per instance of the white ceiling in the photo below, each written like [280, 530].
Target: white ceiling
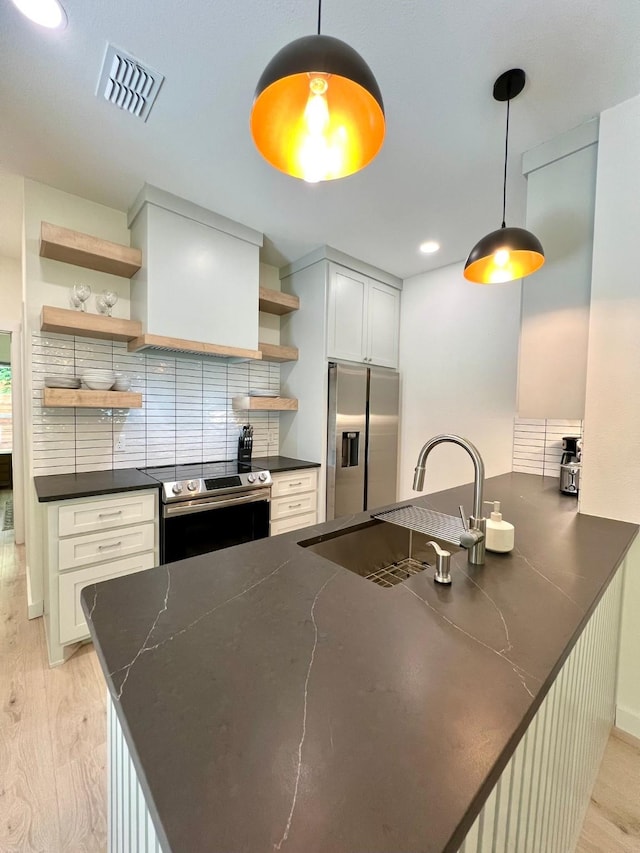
[439, 173]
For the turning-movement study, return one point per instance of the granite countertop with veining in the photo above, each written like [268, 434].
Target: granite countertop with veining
[273, 700]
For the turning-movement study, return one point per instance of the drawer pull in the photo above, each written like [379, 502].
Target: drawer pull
[109, 514]
[294, 506]
[292, 485]
[106, 547]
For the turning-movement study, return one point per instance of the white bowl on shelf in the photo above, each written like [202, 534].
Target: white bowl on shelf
[61, 382]
[263, 392]
[97, 384]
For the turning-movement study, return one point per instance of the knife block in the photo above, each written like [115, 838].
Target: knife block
[244, 453]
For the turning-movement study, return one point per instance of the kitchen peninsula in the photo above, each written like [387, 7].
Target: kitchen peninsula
[272, 700]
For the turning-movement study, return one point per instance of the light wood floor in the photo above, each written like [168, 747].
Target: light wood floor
[53, 751]
[52, 732]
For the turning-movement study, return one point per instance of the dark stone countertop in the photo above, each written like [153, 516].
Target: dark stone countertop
[60, 487]
[277, 464]
[272, 700]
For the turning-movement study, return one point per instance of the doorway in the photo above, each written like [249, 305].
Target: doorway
[6, 434]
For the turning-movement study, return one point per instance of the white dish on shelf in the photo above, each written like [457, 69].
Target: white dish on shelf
[61, 382]
[97, 384]
[263, 392]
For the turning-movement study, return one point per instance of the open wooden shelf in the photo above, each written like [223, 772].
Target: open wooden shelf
[275, 302]
[85, 399]
[275, 352]
[83, 250]
[265, 404]
[161, 342]
[68, 322]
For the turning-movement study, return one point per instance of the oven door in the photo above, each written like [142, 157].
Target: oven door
[196, 527]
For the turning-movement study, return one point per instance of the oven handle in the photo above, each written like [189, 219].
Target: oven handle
[220, 503]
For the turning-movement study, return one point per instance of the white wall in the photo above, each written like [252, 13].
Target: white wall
[269, 324]
[10, 292]
[555, 301]
[458, 365]
[610, 477]
[48, 282]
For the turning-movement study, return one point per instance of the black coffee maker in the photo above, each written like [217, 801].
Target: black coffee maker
[570, 464]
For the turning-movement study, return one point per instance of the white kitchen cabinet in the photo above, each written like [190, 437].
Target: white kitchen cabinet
[294, 500]
[73, 625]
[363, 319]
[383, 323]
[89, 540]
[75, 517]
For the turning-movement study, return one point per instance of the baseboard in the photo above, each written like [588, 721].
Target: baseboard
[34, 608]
[625, 737]
[628, 722]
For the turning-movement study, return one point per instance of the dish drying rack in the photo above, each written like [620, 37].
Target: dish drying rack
[447, 528]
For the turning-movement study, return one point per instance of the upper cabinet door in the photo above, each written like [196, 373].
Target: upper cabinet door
[383, 324]
[346, 327]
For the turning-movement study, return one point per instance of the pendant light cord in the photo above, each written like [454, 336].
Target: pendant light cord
[506, 157]
[319, 14]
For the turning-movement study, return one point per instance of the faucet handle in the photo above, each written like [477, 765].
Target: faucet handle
[465, 523]
[443, 564]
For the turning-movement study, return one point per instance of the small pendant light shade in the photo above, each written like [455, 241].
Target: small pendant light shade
[317, 112]
[504, 255]
[507, 254]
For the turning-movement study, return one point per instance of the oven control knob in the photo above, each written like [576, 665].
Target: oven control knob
[176, 488]
[263, 475]
[192, 485]
[251, 478]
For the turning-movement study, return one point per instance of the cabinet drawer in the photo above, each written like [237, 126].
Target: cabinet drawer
[73, 626]
[105, 514]
[295, 523]
[294, 483]
[295, 505]
[98, 547]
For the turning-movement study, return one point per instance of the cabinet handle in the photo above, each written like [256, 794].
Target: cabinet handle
[109, 514]
[294, 506]
[106, 547]
[291, 485]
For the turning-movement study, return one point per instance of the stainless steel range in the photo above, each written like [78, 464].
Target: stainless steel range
[209, 506]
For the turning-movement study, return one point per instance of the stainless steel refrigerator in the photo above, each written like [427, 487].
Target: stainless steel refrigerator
[362, 449]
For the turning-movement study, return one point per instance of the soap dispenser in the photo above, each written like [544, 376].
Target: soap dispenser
[500, 534]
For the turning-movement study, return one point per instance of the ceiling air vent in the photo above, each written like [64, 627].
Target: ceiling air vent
[127, 83]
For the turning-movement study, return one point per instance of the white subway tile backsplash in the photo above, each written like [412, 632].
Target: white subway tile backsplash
[537, 444]
[187, 413]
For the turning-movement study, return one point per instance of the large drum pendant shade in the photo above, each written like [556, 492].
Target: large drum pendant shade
[318, 112]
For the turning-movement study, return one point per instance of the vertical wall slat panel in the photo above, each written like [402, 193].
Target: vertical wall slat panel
[131, 828]
[539, 803]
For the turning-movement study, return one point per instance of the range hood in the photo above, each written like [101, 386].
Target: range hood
[146, 343]
[198, 289]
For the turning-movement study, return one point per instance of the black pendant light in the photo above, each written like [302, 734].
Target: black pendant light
[508, 253]
[317, 112]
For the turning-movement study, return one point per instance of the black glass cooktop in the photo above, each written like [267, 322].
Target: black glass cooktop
[198, 471]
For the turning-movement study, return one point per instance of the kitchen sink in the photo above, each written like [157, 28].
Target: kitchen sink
[380, 552]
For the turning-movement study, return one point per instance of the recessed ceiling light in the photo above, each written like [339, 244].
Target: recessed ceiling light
[47, 13]
[429, 247]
